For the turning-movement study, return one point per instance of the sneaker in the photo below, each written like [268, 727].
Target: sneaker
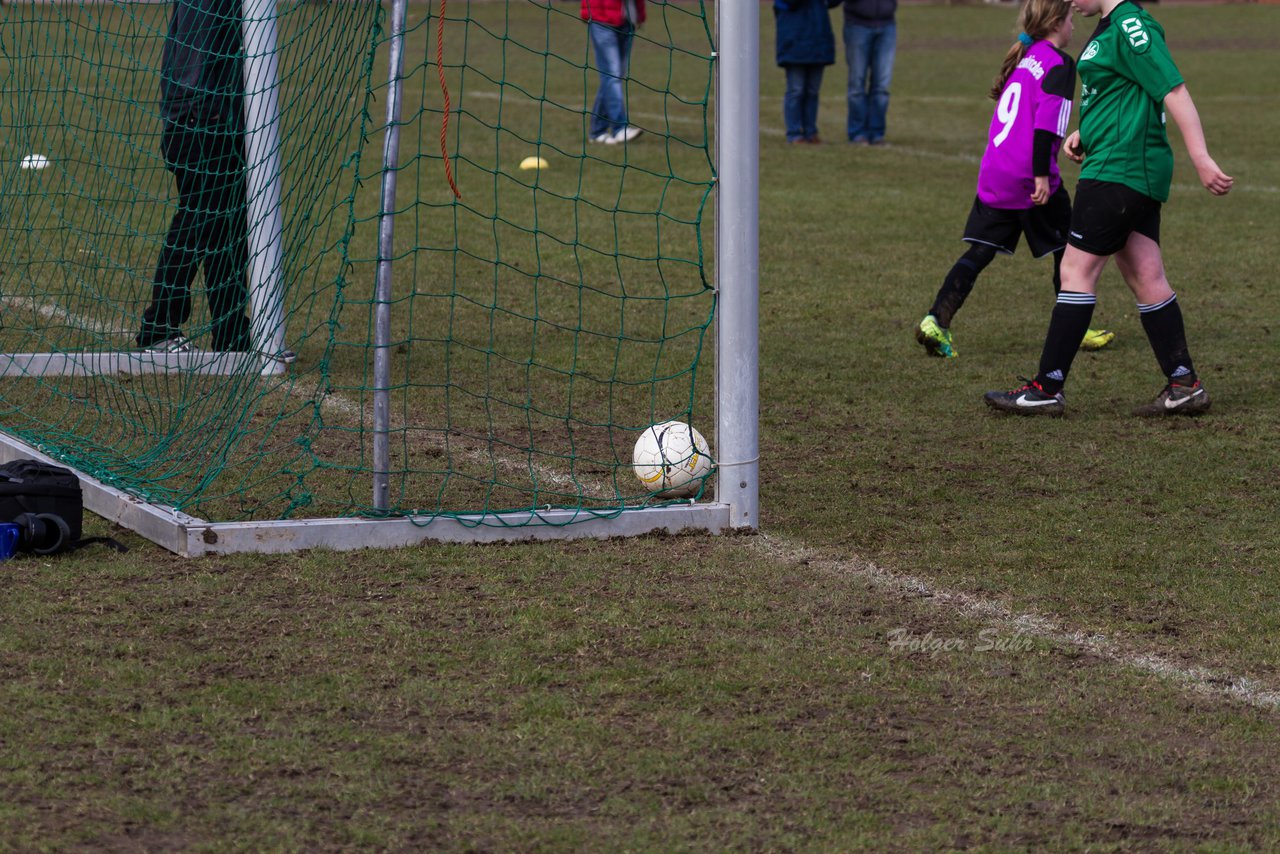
[1096, 339]
[936, 340]
[1176, 399]
[625, 133]
[176, 344]
[1031, 399]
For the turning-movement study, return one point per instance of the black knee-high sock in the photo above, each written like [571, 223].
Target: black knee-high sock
[1057, 271]
[1071, 315]
[1168, 336]
[959, 282]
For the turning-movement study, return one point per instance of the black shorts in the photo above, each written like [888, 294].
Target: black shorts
[1044, 225]
[1106, 213]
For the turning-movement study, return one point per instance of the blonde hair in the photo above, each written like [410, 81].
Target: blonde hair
[1038, 19]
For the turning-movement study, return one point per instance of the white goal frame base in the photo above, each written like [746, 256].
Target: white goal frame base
[191, 537]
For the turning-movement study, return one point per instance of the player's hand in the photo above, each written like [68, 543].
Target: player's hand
[1214, 179]
[1073, 148]
[1041, 193]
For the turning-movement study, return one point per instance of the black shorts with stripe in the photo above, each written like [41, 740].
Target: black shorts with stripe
[1106, 213]
[1044, 225]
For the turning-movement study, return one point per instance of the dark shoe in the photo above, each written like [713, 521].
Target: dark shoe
[1176, 399]
[813, 140]
[1031, 399]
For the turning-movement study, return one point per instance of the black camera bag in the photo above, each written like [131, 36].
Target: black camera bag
[45, 502]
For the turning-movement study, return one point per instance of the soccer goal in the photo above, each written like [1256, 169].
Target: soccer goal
[487, 307]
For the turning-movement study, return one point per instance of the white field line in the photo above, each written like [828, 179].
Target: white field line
[340, 405]
[1194, 678]
[350, 409]
[56, 312]
[922, 153]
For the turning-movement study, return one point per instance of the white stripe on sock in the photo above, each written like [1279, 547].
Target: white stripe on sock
[1144, 308]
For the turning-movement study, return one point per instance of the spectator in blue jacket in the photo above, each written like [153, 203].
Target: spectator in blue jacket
[806, 45]
[870, 43]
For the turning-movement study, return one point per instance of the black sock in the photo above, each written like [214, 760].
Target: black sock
[959, 282]
[1168, 336]
[1067, 326]
[1057, 271]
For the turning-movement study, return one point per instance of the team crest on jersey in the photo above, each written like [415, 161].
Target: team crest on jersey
[1089, 52]
[1138, 38]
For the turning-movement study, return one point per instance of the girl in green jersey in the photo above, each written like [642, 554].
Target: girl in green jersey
[1128, 83]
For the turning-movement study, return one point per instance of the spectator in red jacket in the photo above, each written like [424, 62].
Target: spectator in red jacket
[611, 25]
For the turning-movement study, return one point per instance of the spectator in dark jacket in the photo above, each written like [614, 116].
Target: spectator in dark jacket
[202, 140]
[806, 45]
[870, 43]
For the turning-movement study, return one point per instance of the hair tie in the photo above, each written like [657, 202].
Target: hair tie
[1026, 39]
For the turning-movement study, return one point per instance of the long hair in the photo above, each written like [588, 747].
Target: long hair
[1036, 18]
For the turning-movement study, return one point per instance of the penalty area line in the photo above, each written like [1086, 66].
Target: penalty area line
[1196, 679]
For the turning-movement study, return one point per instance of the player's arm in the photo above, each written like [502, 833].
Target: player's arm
[1073, 148]
[1041, 154]
[1052, 115]
[1179, 105]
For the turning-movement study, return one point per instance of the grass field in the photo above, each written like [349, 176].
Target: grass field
[954, 631]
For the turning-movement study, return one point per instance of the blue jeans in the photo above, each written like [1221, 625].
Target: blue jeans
[800, 104]
[870, 52]
[613, 57]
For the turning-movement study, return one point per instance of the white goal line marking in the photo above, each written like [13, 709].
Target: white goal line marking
[590, 487]
[772, 130]
[1195, 678]
[466, 447]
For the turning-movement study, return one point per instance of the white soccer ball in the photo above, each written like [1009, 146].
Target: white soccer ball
[672, 459]
[34, 161]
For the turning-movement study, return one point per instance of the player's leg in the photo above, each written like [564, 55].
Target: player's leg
[934, 332]
[1142, 266]
[988, 231]
[1101, 223]
[1046, 227]
[1067, 325]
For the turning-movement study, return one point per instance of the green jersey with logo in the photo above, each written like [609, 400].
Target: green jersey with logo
[1125, 73]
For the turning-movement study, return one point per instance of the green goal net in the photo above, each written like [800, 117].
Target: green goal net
[542, 312]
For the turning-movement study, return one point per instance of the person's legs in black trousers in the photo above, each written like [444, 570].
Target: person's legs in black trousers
[208, 227]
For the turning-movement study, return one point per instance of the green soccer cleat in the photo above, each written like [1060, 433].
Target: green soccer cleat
[936, 340]
[1096, 339]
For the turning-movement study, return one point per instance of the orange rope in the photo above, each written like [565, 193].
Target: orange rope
[444, 87]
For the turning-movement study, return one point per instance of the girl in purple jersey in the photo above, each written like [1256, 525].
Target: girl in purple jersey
[1019, 188]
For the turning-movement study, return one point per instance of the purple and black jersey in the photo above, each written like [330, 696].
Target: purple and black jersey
[1037, 96]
